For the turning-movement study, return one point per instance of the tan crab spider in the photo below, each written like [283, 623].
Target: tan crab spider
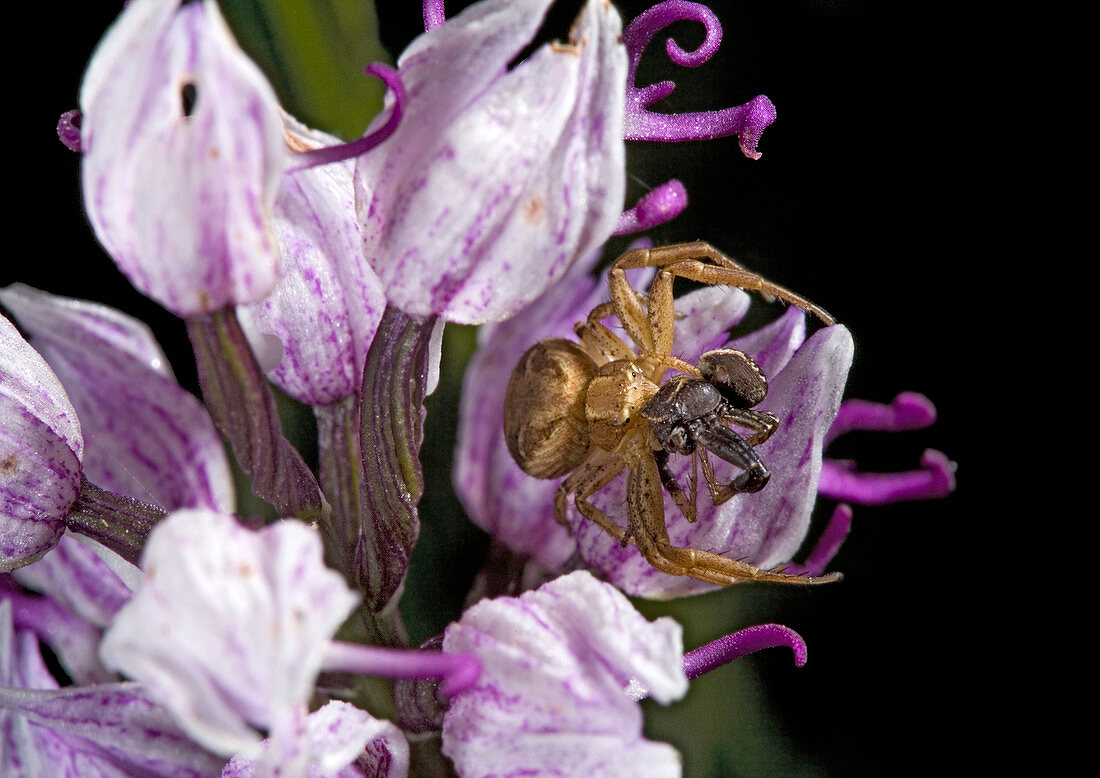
[592, 408]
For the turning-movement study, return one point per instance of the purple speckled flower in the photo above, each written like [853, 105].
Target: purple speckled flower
[355, 743]
[557, 695]
[145, 436]
[106, 730]
[497, 178]
[182, 143]
[229, 628]
[328, 302]
[41, 448]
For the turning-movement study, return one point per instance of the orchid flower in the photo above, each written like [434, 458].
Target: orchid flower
[182, 144]
[229, 630]
[497, 178]
[564, 668]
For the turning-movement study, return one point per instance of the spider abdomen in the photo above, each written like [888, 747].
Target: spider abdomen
[545, 427]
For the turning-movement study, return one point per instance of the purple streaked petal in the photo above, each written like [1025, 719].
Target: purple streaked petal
[109, 729]
[351, 744]
[183, 148]
[557, 662]
[146, 436]
[230, 626]
[76, 578]
[907, 411]
[765, 528]
[41, 447]
[742, 643]
[459, 218]
[827, 546]
[936, 478]
[747, 121]
[658, 206]
[328, 302]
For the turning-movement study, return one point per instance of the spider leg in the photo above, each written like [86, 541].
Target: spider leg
[646, 509]
[684, 501]
[686, 260]
[584, 483]
[762, 423]
[734, 449]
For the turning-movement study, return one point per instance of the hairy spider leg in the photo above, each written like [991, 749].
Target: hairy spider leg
[684, 260]
[646, 510]
[762, 423]
[685, 501]
[594, 475]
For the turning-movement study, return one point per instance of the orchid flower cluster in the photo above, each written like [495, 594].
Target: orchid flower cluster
[146, 628]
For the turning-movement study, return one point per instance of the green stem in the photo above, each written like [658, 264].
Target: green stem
[120, 523]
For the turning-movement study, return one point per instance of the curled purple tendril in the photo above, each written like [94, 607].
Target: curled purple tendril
[746, 121]
[657, 207]
[841, 481]
[433, 14]
[68, 129]
[457, 672]
[356, 148]
[746, 641]
[828, 544]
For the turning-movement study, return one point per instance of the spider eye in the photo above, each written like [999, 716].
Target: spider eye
[735, 374]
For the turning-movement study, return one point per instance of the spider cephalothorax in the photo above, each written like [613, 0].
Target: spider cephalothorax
[591, 408]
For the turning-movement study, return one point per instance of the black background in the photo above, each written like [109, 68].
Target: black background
[858, 202]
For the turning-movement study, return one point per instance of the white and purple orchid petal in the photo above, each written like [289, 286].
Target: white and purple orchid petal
[230, 626]
[146, 436]
[764, 528]
[497, 179]
[557, 663]
[74, 641]
[935, 479]
[747, 121]
[106, 730]
[78, 580]
[109, 730]
[351, 744]
[41, 448]
[328, 302]
[183, 149]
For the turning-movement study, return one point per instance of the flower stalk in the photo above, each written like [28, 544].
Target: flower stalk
[242, 406]
[120, 523]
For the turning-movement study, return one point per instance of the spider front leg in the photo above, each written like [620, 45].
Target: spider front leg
[652, 329]
[647, 527]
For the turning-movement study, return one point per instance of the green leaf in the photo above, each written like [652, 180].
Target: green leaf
[314, 52]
